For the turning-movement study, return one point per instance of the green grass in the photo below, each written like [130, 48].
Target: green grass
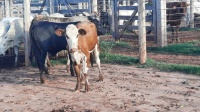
[117, 59]
[189, 48]
[62, 61]
[189, 69]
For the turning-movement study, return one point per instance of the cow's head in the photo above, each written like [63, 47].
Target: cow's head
[182, 7]
[5, 44]
[71, 33]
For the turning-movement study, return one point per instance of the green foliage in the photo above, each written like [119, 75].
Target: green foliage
[190, 48]
[106, 46]
[121, 44]
[118, 59]
[171, 67]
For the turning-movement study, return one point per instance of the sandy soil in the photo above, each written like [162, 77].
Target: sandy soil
[125, 89]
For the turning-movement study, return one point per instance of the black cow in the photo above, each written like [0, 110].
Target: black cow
[43, 40]
[175, 12]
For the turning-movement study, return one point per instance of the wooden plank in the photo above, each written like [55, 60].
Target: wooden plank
[127, 7]
[148, 7]
[142, 31]
[27, 23]
[136, 27]
[129, 21]
[148, 18]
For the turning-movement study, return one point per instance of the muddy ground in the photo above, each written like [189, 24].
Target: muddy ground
[124, 89]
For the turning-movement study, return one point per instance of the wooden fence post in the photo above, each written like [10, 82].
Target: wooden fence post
[154, 2]
[11, 8]
[7, 8]
[94, 6]
[191, 14]
[27, 23]
[142, 31]
[161, 23]
[115, 19]
[104, 5]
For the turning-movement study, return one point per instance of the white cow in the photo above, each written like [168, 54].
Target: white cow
[11, 35]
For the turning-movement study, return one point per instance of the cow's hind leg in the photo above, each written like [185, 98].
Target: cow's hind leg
[42, 67]
[177, 37]
[85, 72]
[47, 62]
[16, 51]
[96, 53]
[173, 37]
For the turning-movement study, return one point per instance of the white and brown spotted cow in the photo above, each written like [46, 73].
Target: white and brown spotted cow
[82, 39]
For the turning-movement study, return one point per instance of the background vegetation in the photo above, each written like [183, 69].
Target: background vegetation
[189, 48]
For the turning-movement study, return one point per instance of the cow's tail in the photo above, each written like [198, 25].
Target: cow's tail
[92, 58]
[31, 55]
[34, 51]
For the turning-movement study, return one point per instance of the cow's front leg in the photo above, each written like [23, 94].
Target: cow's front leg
[42, 77]
[68, 64]
[177, 37]
[16, 51]
[173, 37]
[85, 71]
[77, 70]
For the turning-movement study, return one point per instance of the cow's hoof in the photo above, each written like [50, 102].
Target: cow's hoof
[42, 81]
[77, 91]
[87, 88]
[100, 78]
[68, 68]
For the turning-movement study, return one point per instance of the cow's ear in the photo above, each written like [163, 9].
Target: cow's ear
[82, 32]
[60, 32]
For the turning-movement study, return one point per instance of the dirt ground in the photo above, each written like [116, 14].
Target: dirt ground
[124, 89]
